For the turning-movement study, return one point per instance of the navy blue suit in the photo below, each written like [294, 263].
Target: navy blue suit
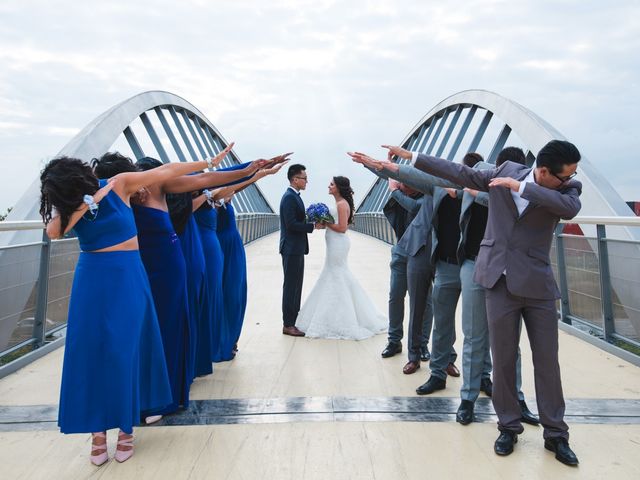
[293, 247]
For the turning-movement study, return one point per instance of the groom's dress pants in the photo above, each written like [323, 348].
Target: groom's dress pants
[293, 266]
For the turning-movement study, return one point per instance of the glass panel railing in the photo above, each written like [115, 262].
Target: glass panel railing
[624, 268]
[18, 287]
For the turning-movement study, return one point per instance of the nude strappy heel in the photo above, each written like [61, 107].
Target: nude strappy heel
[99, 455]
[124, 440]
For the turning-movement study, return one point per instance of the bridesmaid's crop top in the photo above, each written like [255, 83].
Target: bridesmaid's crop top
[112, 223]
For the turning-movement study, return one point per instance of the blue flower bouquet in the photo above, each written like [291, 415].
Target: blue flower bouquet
[319, 213]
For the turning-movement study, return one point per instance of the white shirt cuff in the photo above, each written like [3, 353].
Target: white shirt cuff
[521, 189]
[414, 157]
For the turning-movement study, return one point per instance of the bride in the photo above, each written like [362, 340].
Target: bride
[338, 307]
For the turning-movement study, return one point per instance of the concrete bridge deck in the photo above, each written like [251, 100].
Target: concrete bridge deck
[297, 408]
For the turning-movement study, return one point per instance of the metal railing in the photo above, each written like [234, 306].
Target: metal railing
[598, 277]
[33, 312]
[374, 224]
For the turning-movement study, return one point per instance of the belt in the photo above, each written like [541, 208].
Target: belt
[471, 257]
[451, 260]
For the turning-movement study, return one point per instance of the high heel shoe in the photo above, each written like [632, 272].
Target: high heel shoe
[152, 419]
[99, 455]
[124, 440]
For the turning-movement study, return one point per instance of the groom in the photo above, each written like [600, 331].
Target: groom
[293, 247]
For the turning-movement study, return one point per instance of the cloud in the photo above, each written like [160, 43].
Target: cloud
[316, 76]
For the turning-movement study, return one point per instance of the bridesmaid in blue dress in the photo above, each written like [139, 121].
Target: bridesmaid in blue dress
[165, 265]
[203, 307]
[114, 365]
[180, 210]
[207, 219]
[234, 275]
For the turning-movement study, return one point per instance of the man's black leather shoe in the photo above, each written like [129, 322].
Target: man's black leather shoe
[425, 354]
[527, 416]
[562, 450]
[391, 349]
[431, 385]
[464, 415]
[505, 442]
[486, 386]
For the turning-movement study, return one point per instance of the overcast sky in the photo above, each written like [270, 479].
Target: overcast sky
[318, 77]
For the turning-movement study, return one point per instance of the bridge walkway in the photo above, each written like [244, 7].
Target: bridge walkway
[297, 408]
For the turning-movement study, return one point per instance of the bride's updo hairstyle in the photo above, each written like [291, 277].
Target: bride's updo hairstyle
[344, 187]
[63, 184]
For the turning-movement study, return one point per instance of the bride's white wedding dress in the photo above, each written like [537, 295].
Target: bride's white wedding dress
[338, 307]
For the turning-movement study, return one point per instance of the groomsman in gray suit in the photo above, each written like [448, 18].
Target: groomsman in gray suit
[400, 210]
[525, 205]
[417, 241]
[476, 358]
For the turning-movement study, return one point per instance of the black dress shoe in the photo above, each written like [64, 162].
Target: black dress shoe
[391, 349]
[425, 354]
[505, 442]
[527, 416]
[431, 385]
[563, 452]
[486, 386]
[464, 415]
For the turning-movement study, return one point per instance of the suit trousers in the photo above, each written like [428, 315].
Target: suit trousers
[419, 275]
[397, 292]
[293, 266]
[446, 292]
[476, 357]
[541, 321]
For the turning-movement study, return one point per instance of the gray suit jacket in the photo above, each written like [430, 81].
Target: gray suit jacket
[409, 208]
[418, 234]
[424, 182]
[517, 244]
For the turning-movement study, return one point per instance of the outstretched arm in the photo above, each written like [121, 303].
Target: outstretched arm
[226, 191]
[455, 172]
[410, 176]
[131, 182]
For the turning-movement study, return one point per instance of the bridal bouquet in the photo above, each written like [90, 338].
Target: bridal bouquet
[319, 213]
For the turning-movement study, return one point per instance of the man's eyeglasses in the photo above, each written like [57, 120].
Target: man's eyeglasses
[564, 179]
[302, 178]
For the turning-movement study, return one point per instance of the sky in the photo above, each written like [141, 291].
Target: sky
[318, 77]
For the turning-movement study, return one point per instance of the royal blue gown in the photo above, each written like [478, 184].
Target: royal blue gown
[207, 220]
[197, 289]
[165, 265]
[234, 276]
[114, 366]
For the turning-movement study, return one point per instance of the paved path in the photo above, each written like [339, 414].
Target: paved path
[292, 408]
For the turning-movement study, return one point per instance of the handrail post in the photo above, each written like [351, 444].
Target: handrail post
[605, 283]
[40, 317]
[565, 307]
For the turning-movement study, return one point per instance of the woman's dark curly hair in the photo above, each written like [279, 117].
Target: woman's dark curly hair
[63, 184]
[111, 164]
[344, 187]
